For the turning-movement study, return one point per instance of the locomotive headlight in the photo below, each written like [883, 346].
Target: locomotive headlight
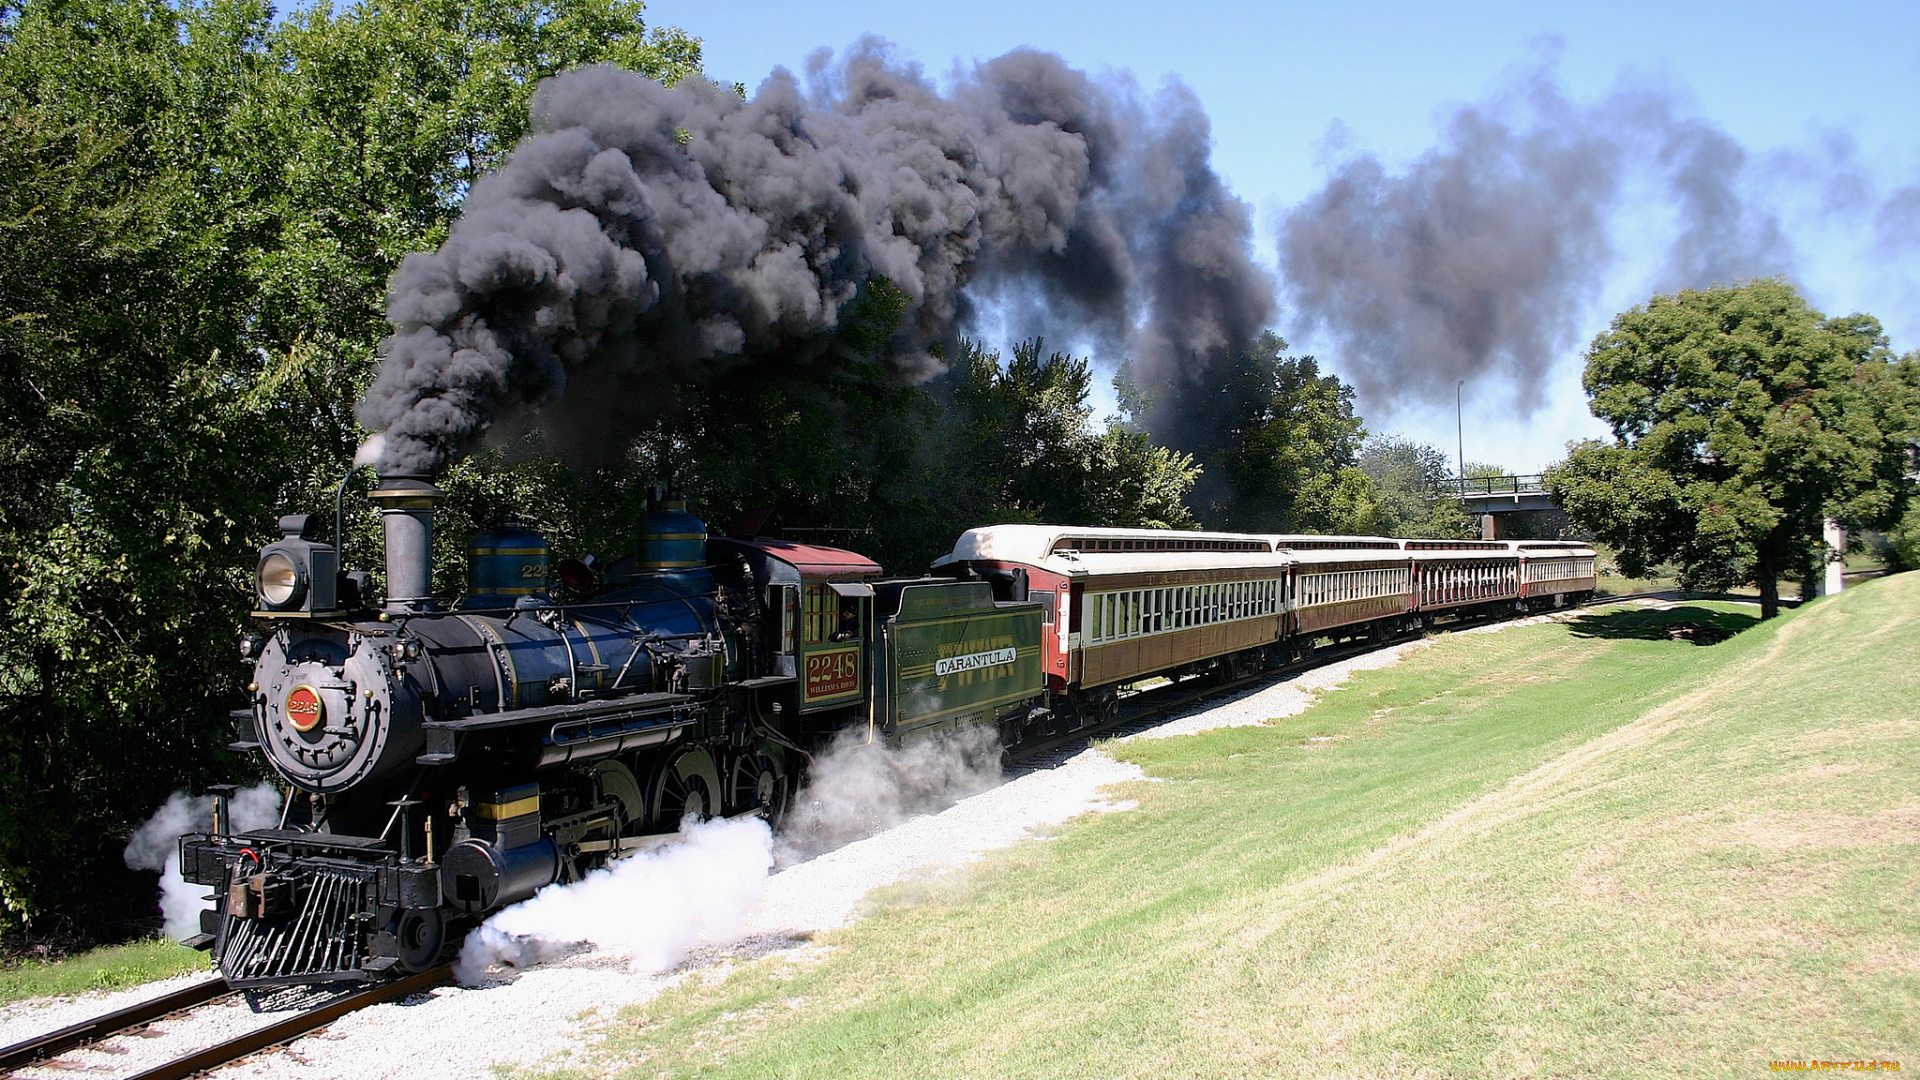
[280, 583]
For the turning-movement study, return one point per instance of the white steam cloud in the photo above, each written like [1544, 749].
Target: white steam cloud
[858, 788]
[658, 906]
[655, 907]
[370, 451]
[156, 846]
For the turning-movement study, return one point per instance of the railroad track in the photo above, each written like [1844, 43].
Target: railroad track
[120, 1022]
[47, 1047]
[1139, 711]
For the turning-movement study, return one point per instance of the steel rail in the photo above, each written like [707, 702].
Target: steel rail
[54, 1043]
[1137, 706]
[285, 1031]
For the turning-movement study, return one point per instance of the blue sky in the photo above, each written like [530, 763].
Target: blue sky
[1293, 89]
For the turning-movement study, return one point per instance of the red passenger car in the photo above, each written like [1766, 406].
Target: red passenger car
[1125, 605]
[1130, 604]
[1344, 585]
[1555, 572]
[1456, 576]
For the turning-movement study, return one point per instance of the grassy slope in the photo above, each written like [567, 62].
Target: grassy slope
[111, 967]
[1555, 850]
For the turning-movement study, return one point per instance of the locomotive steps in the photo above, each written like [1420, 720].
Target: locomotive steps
[1582, 847]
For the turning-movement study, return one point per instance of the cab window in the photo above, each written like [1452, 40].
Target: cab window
[819, 614]
[828, 616]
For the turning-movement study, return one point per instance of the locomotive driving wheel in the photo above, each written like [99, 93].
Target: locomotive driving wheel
[684, 789]
[614, 783]
[758, 781]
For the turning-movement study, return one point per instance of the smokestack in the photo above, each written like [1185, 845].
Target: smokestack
[406, 515]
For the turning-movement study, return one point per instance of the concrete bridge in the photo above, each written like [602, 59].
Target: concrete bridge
[1499, 502]
[1499, 494]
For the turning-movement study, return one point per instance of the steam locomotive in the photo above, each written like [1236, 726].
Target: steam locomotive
[445, 761]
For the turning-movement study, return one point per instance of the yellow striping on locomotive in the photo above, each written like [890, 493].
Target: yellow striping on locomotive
[493, 811]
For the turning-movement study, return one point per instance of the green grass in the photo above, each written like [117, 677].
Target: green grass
[1570, 849]
[1860, 567]
[1616, 585]
[110, 968]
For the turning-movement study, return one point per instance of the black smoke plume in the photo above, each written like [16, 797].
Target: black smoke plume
[1724, 237]
[1207, 302]
[644, 241]
[1481, 257]
[1898, 220]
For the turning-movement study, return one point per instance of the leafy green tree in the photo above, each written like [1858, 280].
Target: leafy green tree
[1021, 426]
[1019, 445]
[841, 447]
[199, 208]
[1742, 419]
[1132, 481]
[1408, 494]
[1294, 433]
[1903, 539]
[124, 418]
[890, 470]
[1297, 458]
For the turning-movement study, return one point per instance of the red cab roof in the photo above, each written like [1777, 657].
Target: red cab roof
[814, 560]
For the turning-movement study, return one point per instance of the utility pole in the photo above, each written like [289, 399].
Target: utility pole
[1460, 437]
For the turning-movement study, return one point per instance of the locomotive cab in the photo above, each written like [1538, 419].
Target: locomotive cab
[835, 621]
[820, 623]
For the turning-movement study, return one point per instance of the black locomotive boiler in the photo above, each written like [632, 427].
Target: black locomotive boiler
[444, 761]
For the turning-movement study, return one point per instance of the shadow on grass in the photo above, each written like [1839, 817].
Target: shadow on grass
[1701, 626]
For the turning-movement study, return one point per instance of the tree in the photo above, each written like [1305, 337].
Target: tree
[1406, 490]
[1291, 432]
[1019, 445]
[1296, 457]
[1742, 419]
[892, 470]
[199, 208]
[1292, 449]
[1903, 539]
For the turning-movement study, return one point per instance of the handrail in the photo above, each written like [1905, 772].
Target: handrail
[1526, 484]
